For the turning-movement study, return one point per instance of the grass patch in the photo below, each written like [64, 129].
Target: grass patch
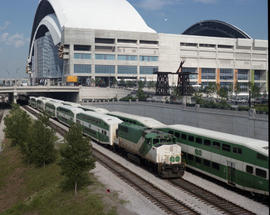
[29, 190]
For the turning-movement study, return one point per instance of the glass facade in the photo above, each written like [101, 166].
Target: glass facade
[127, 70]
[47, 64]
[259, 75]
[226, 74]
[105, 57]
[209, 73]
[148, 70]
[106, 69]
[191, 70]
[82, 56]
[242, 74]
[148, 58]
[227, 85]
[127, 57]
[243, 87]
[82, 68]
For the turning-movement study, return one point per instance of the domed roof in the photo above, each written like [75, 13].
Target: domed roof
[98, 14]
[216, 28]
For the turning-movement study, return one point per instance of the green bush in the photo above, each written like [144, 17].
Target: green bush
[243, 108]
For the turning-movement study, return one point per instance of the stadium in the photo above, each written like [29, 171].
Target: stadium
[78, 42]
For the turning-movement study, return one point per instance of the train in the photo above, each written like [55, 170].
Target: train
[238, 161]
[150, 147]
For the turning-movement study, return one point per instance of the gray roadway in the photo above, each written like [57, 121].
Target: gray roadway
[234, 122]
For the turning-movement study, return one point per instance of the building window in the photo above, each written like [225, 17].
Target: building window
[104, 40]
[82, 56]
[148, 58]
[259, 75]
[127, 57]
[226, 147]
[207, 45]
[227, 85]
[225, 47]
[148, 70]
[261, 173]
[127, 70]
[82, 48]
[189, 44]
[126, 41]
[242, 74]
[209, 73]
[191, 70]
[226, 74]
[82, 68]
[148, 42]
[105, 57]
[249, 169]
[106, 69]
[243, 87]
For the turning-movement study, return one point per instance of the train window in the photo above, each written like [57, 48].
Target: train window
[216, 144]
[184, 155]
[199, 140]
[249, 169]
[261, 157]
[148, 141]
[207, 142]
[215, 165]
[184, 136]
[261, 173]
[191, 138]
[198, 160]
[237, 150]
[206, 162]
[155, 141]
[177, 134]
[190, 157]
[171, 132]
[226, 147]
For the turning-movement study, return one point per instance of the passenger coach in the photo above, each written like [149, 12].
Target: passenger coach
[100, 127]
[239, 161]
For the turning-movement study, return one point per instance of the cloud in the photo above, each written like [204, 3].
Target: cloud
[159, 4]
[4, 26]
[16, 40]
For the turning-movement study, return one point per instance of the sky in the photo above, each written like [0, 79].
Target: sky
[164, 16]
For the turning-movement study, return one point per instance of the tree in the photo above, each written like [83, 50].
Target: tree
[223, 92]
[77, 158]
[40, 146]
[237, 88]
[17, 124]
[254, 90]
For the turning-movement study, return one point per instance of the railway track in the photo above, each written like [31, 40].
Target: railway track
[210, 198]
[164, 201]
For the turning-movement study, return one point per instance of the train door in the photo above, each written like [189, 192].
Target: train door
[230, 172]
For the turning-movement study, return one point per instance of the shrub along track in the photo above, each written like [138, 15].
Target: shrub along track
[166, 202]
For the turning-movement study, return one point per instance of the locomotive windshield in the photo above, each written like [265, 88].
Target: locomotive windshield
[164, 141]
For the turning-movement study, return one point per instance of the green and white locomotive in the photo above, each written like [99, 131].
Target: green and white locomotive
[238, 161]
[152, 148]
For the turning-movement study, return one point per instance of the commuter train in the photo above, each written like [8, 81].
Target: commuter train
[147, 146]
[238, 161]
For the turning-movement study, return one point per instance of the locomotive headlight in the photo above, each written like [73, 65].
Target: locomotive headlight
[172, 159]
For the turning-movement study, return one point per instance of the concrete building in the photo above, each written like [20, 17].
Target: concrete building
[107, 39]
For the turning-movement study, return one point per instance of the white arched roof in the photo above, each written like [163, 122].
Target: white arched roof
[99, 14]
